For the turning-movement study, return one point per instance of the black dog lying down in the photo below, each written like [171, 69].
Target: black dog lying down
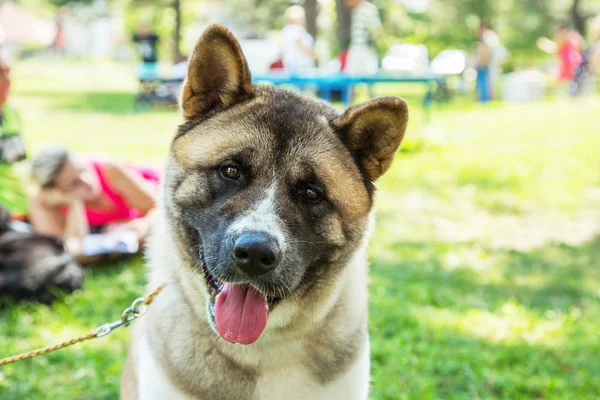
[34, 266]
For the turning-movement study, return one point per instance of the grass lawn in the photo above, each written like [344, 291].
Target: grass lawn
[485, 264]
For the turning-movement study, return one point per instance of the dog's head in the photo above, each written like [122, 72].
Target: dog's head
[267, 191]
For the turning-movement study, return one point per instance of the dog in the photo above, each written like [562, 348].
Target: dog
[261, 235]
[34, 266]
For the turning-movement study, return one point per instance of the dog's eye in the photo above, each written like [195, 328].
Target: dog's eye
[230, 172]
[310, 194]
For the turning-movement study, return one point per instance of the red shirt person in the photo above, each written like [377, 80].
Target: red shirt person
[569, 48]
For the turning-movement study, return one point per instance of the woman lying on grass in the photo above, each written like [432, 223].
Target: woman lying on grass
[79, 196]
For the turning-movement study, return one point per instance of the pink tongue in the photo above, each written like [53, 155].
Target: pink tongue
[241, 313]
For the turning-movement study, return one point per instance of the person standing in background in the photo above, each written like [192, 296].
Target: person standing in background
[482, 66]
[366, 26]
[498, 55]
[297, 45]
[58, 44]
[490, 55]
[147, 42]
[569, 46]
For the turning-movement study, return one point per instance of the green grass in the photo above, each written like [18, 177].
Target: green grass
[484, 264]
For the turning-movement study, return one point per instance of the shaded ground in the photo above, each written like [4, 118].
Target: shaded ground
[485, 260]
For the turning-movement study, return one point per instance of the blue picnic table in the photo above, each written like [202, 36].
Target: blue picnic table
[327, 82]
[155, 90]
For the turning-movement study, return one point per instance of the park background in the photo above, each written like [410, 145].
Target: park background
[485, 261]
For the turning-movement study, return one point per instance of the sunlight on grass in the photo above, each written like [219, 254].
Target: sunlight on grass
[513, 324]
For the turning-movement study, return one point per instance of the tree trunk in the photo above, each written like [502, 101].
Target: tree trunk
[343, 24]
[177, 56]
[578, 18]
[310, 6]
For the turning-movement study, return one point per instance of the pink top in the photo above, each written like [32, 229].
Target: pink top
[569, 60]
[121, 211]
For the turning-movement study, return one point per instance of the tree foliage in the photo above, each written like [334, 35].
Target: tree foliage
[260, 16]
[454, 23]
[445, 24]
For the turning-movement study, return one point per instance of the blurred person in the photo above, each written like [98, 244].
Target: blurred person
[365, 28]
[78, 196]
[12, 147]
[569, 45]
[58, 43]
[483, 62]
[573, 63]
[297, 45]
[147, 42]
[490, 55]
[499, 53]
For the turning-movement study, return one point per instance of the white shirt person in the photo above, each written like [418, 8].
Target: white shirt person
[296, 43]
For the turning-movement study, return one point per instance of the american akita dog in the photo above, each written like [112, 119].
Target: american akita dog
[261, 237]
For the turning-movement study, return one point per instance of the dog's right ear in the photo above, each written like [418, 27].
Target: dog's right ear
[218, 75]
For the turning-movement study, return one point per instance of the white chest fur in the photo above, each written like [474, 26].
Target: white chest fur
[152, 382]
[291, 383]
[296, 383]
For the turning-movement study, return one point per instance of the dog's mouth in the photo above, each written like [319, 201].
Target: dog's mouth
[238, 311]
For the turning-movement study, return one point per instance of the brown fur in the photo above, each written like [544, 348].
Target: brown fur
[218, 76]
[362, 126]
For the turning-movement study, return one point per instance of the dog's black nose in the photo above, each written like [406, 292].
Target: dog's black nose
[256, 253]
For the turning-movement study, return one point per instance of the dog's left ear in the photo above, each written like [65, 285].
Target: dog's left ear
[372, 132]
[218, 75]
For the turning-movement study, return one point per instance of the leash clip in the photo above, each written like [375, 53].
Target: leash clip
[130, 314]
[108, 328]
